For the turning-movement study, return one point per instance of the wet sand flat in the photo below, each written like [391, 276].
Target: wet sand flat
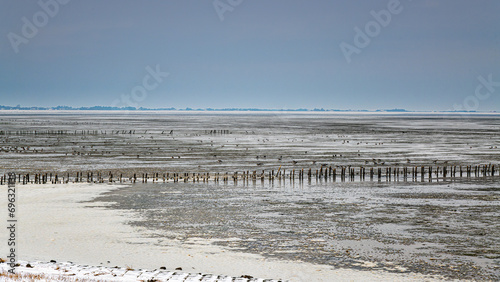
[448, 228]
[57, 222]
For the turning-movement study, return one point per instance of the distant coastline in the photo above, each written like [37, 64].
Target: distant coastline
[109, 108]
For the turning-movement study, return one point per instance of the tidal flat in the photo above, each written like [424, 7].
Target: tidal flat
[446, 226]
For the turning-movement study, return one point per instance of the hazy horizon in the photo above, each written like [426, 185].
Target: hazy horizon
[415, 55]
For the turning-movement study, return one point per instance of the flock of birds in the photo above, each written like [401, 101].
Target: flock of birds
[138, 149]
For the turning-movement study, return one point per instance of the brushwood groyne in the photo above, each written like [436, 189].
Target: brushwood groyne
[324, 173]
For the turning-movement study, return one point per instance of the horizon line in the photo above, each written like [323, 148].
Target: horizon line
[187, 109]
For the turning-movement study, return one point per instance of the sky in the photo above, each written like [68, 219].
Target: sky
[280, 54]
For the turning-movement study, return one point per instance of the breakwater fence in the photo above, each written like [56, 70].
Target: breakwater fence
[50, 132]
[323, 173]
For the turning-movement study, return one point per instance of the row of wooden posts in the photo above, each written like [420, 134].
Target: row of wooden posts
[71, 132]
[61, 132]
[350, 173]
[96, 132]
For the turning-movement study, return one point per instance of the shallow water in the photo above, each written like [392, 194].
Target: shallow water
[448, 228]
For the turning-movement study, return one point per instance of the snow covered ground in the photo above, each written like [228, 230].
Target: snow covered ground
[56, 222]
[67, 271]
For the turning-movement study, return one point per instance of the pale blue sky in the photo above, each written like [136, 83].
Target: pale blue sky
[266, 54]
